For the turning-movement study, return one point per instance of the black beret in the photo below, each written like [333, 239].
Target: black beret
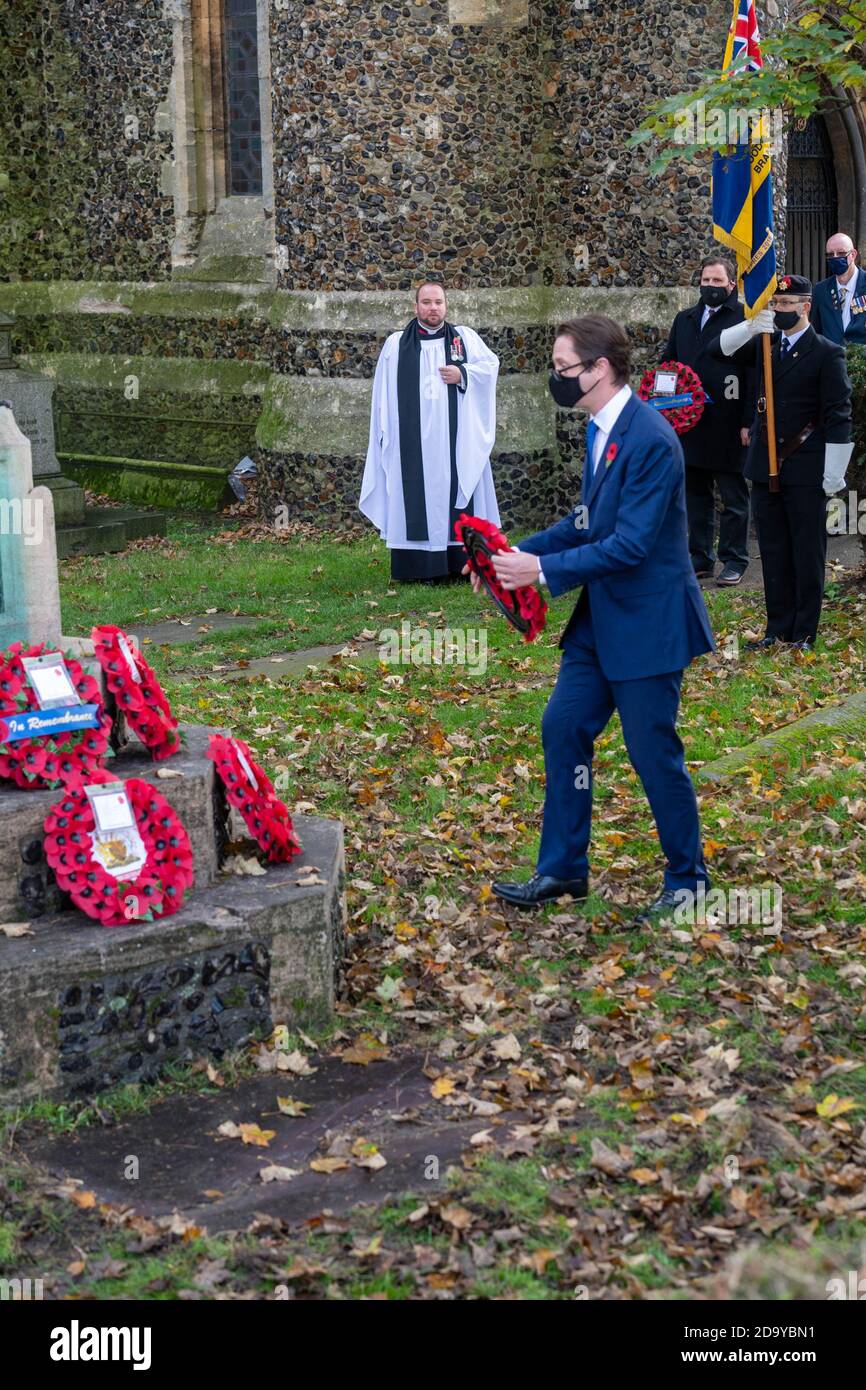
[794, 284]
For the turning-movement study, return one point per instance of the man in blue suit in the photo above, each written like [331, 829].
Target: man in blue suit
[839, 302]
[638, 623]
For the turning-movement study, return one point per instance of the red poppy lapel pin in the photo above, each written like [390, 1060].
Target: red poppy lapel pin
[612, 451]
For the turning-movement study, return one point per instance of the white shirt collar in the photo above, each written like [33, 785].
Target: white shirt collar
[610, 413]
[792, 337]
[606, 419]
[850, 287]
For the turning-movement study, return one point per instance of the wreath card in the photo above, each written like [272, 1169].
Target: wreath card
[665, 384]
[117, 846]
[50, 680]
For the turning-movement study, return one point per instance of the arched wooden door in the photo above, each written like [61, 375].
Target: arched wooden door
[813, 207]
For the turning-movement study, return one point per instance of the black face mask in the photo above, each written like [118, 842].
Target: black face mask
[567, 391]
[837, 265]
[714, 296]
[786, 318]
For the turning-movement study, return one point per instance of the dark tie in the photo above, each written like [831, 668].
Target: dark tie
[591, 432]
[784, 348]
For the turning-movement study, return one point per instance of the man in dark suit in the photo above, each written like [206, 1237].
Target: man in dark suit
[639, 621]
[813, 432]
[714, 447]
[839, 302]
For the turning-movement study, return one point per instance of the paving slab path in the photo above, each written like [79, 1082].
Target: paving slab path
[177, 631]
[182, 1157]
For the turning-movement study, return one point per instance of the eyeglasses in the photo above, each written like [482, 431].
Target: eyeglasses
[786, 303]
[574, 366]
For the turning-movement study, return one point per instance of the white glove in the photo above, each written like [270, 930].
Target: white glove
[836, 460]
[734, 338]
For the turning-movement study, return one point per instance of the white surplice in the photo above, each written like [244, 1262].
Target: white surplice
[381, 498]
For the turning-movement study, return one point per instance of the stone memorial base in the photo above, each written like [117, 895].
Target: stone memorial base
[84, 1007]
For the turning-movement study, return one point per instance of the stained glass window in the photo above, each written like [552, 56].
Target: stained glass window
[243, 112]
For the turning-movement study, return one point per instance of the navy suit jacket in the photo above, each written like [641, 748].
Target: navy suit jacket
[648, 612]
[826, 319]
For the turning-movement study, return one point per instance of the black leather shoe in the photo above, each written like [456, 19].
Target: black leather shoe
[540, 889]
[663, 906]
[763, 645]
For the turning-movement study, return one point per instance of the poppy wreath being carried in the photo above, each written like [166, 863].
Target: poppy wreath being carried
[265, 816]
[524, 608]
[686, 415]
[46, 760]
[142, 701]
[158, 888]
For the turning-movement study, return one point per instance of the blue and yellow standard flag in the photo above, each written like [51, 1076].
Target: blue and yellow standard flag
[742, 178]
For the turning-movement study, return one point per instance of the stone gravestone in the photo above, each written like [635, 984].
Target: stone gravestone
[31, 394]
[29, 590]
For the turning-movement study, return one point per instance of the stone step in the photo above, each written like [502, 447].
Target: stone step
[27, 886]
[137, 522]
[96, 538]
[84, 1007]
[107, 529]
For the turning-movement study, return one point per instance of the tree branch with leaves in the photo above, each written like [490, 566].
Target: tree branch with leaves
[810, 67]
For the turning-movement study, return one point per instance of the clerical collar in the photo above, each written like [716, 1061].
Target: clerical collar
[431, 332]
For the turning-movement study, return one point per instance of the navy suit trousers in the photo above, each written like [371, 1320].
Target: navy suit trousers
[579, 708]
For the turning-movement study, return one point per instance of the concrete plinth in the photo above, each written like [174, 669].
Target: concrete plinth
[84, 1007]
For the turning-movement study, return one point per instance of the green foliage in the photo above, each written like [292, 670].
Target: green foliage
[813, 54]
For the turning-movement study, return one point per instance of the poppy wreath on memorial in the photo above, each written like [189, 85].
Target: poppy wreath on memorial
[524, 608]
[265, 816]
[142, 701]
[46, 760]
[682, 417]
[159, 887]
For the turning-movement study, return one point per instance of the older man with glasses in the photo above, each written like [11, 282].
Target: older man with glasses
[839, 306]
[812, 395]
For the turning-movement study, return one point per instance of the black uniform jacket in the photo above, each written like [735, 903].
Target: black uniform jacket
[811, 387]
[714, 442]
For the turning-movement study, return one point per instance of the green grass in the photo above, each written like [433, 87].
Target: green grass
[437, 774]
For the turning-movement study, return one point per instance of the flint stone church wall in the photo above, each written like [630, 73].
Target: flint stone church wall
[484, 140]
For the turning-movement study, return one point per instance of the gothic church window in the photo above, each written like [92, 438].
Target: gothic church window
[242, 98]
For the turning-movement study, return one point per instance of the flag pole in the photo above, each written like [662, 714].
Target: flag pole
[771, 413]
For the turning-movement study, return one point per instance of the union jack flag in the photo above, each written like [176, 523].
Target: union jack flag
[744, 41]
